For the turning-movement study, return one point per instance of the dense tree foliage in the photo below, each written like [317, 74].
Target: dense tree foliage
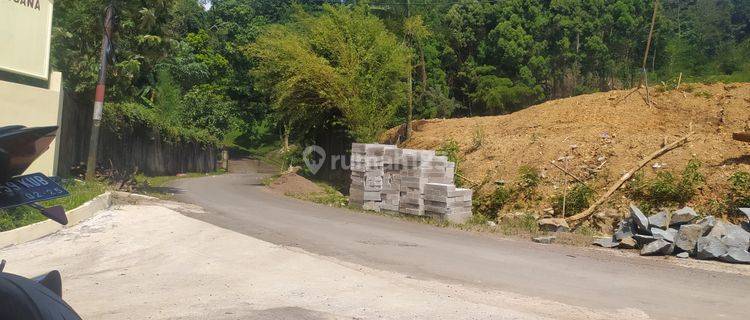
[266, 66]
[341, 61]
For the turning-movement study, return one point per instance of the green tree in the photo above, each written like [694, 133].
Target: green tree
[342, 61]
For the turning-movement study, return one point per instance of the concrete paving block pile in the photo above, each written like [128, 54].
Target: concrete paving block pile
[416, 182]
[684, 234]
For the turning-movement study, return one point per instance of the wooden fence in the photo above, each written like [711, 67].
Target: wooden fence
[140, 148]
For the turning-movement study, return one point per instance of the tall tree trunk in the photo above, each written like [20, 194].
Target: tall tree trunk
[285, 137]
[410, 103]
[423, 69]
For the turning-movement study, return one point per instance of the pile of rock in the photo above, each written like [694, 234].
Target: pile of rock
[679, 233]
[385, 177]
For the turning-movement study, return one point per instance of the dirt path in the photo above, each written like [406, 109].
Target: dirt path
[588, 279]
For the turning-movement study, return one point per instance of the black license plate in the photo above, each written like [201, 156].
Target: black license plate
[28, 189]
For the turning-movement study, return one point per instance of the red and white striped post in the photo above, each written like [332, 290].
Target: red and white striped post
[99, 97]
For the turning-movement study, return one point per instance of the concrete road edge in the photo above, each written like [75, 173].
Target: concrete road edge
[43, 228]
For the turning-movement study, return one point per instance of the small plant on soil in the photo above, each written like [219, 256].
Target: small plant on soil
[666, 189]
[519, 225]
[477, 138]
[739, 190]
[518, 194]
[452, 150]
[528, 180]
[490, 205]
[575, 201]
[703, 94]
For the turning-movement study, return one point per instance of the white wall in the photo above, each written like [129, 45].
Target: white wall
[34, 107]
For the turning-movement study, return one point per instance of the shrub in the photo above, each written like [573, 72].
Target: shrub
[574, 201]
[477, 138]
[739, 190]
[665, 189]
[528, 179]
[452, 151]
[523, 190]
[131, 118]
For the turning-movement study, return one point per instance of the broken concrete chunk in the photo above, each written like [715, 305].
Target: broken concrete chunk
[735, 255]
[683, 216]
[710, 247]
[659, 220]
[745, 211]
[720, 228]
[707, 223]
[624, 229]
[688, 237]
[553, 225]
[605, 242]
[643, 240]
[659, 247]
[736, 237]
[663, 234]
[641, 222]
[628, 243]
[683, 255]
[544, 240]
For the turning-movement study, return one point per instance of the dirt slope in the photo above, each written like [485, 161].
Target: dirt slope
[591, 129]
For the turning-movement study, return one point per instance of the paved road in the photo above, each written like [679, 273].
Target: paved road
[574, 276]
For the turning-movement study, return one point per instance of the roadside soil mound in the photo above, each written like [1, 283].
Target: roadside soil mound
[601, 139]
[294, 184]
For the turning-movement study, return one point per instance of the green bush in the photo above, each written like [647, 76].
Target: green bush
[489, 205]
[574, 201]
[452, 151]
[528, 180]
[665, 189]
[523, 190]
[129, 118]
[739, 190]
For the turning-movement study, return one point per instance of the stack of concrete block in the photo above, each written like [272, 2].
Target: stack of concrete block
[413, 178]
[367, 175]
[445, 201]
[392, 165]
[388, 178]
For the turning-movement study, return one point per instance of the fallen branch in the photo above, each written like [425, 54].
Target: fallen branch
[627, 95]
[566, 172]
[627, 176]
[466, 179]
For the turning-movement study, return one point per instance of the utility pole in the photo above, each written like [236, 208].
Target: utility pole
[99, 98]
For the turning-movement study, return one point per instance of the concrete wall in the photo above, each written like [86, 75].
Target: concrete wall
[33, 106]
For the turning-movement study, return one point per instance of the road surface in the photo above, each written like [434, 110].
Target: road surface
[574, 276]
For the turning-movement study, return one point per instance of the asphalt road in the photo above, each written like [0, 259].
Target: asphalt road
[574, 276]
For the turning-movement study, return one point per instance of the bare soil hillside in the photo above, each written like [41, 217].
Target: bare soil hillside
[601, 138]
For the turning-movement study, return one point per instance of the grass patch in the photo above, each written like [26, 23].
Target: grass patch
[80, 192]
[330, 196]
[157, 186]
[267, 181]
[522, 225]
